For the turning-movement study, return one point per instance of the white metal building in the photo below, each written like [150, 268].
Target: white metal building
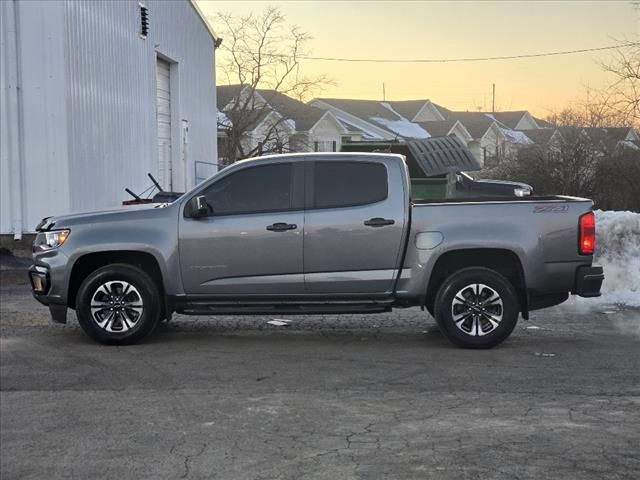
[95, 94]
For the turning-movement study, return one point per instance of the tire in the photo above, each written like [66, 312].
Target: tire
[118, 304]
[459, 308]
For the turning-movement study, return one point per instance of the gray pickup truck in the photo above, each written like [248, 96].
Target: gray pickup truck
[316, 233]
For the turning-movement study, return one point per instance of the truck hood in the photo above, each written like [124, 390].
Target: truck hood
[100, 216]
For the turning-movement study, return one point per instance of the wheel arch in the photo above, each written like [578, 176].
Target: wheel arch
[87, 263]
[504, 261]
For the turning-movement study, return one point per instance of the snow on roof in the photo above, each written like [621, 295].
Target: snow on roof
[629, 144]
[401, 125]
[365, 133]
[517, 137]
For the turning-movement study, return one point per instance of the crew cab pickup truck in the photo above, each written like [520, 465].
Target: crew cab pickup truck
[316, 233]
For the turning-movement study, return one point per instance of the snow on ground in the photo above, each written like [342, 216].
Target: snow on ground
[618, 251]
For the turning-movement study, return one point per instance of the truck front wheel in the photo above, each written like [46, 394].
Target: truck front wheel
[118, 304]
[476, 308]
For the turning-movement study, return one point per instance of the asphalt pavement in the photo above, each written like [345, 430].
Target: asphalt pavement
[322, 397]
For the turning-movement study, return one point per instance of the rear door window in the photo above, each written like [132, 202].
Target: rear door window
[348, 184]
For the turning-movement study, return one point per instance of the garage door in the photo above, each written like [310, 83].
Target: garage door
[163, 116]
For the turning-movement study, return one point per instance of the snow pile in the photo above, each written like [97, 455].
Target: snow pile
[618, 251]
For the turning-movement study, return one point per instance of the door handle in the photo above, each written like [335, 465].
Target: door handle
[281, 227]
[379, 222]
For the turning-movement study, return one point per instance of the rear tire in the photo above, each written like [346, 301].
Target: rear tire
[476, 308]
[118, 304]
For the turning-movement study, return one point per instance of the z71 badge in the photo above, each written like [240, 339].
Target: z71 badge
[551, 208]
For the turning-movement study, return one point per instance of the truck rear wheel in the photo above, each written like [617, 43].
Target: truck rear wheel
[118, 304]
[476, 308]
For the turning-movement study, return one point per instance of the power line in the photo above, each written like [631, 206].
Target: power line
[472, 59]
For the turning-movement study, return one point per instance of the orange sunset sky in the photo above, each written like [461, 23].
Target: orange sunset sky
[401, 30]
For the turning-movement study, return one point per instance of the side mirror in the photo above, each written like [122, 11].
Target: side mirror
[200, 207]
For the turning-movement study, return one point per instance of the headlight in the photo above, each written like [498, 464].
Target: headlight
[47, 240]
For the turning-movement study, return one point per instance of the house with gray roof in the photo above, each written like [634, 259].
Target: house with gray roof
[384, 120]
[610, 141]
[515, 120]
[281, 123]
[544, 137]
[488, 136]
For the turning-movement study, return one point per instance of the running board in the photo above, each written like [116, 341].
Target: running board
[194, 308]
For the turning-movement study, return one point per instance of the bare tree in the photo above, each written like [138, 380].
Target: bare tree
[260, 52]
[623, 93]
[618, 182]
[617, 103]
[596, 110]
[568, 168]
[587, 163]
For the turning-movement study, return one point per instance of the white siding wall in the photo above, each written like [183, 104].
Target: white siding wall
[86, 117]
[526, 123]
[112, 96]
[326, 130]
[40, 122]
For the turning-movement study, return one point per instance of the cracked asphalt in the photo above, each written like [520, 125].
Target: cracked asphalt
[328, 397]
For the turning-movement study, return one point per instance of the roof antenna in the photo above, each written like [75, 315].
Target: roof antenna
[493, 99]
[384, 95]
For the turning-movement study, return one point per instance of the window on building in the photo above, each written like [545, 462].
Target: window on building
[344, 184]
[325, 146]
[223, 148]
[257, 189]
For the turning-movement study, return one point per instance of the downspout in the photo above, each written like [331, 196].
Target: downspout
[14, 117]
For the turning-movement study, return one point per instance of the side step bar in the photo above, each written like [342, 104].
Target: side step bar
[201, 308]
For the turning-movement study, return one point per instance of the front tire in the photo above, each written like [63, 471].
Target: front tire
[118, 304]
[476, 308]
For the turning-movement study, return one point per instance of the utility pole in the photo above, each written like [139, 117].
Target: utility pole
[384, 95]
[493, 100]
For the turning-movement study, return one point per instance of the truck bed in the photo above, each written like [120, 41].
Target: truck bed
[541, 231]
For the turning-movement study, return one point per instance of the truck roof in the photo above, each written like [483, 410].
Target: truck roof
[321, 156]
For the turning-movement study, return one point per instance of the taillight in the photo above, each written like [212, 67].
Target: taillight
[587, 241]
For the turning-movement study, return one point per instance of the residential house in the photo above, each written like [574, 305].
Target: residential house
[549, 140]
[515, 120]
[282, 123]
[610, 141]
[485, 135]
[372, 119]
[488, 140]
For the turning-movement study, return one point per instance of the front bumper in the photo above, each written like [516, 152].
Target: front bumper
[588, 281]
[40, 287]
